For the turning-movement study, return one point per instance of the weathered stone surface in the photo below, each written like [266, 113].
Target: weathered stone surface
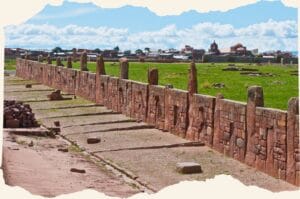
[139, 101]
[63, 150]
[256, 96]
[169, 86]
[153, 76]
[201, 111]
[93, 140]
[228, 127]
[55, 95]
[176, 111]
[188, 167]
[124, 68]
[240, 142]
[12, 123]
[31, 144]
[56, 123]
[40, 58]
[18, 115]
[100, 67]
[77, 170]
[193, 84]
[58, 62]
[292, 142]
[156, 106]
[83, 62]
[69, 62]
[255, 99]
[49, 59]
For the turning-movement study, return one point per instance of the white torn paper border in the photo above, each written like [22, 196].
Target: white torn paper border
[13, 12]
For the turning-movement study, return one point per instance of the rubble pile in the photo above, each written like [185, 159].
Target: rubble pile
[18, 115]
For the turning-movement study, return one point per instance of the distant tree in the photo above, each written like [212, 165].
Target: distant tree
[97, 50]
[117, 48]
[147, 49]
[138, 51]
[57, 50]
[127, 52]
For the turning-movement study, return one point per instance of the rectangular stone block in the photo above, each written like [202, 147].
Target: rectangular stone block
[229, 131]
[139, 101]
[176, 111]
[112, 94]
[201, 119]
[156, 106]
[188, 167]
[124, 96]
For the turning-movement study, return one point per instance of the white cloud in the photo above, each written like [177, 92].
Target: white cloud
[270, 35]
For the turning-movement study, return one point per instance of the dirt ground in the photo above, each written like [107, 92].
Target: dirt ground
[120, 135]
[43, 170]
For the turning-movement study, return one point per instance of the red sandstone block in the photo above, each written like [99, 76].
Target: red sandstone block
[12, 123]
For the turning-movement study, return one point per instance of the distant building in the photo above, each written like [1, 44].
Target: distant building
[214, 49]
[238, 49]
[110, 53]
[197, 54]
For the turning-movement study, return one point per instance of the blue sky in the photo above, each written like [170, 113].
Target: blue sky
[267, 25]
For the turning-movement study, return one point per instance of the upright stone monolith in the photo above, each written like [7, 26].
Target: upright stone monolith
[74, 54]
[124, 68]
[192, 85]
[153, 76]
[255, 99]
[83, 62]
[69, 62]
[293, 150]
[58, 62]
[49, 59]
[100, 68]
[40, 58]
[27, 56]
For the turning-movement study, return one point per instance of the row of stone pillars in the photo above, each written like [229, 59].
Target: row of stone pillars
[255, 93]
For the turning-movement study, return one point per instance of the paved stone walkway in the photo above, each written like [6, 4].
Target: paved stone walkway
[121, 138]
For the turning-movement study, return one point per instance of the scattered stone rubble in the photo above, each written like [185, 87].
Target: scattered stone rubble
[18, 115]
[56, 95]
[218, 85]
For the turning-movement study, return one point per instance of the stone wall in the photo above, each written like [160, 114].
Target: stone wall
[156, 106]
[230, 128]
[264, 138]
[201, 119]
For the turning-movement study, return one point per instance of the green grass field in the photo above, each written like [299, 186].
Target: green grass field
[278, 89]
[10, 64]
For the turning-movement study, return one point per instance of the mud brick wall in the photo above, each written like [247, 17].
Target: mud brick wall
[112, 93]
[124, 96]
[156, 106]
[201, 119]
[230, 128]
[139, 101]
[266, 139]
[176, 111]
